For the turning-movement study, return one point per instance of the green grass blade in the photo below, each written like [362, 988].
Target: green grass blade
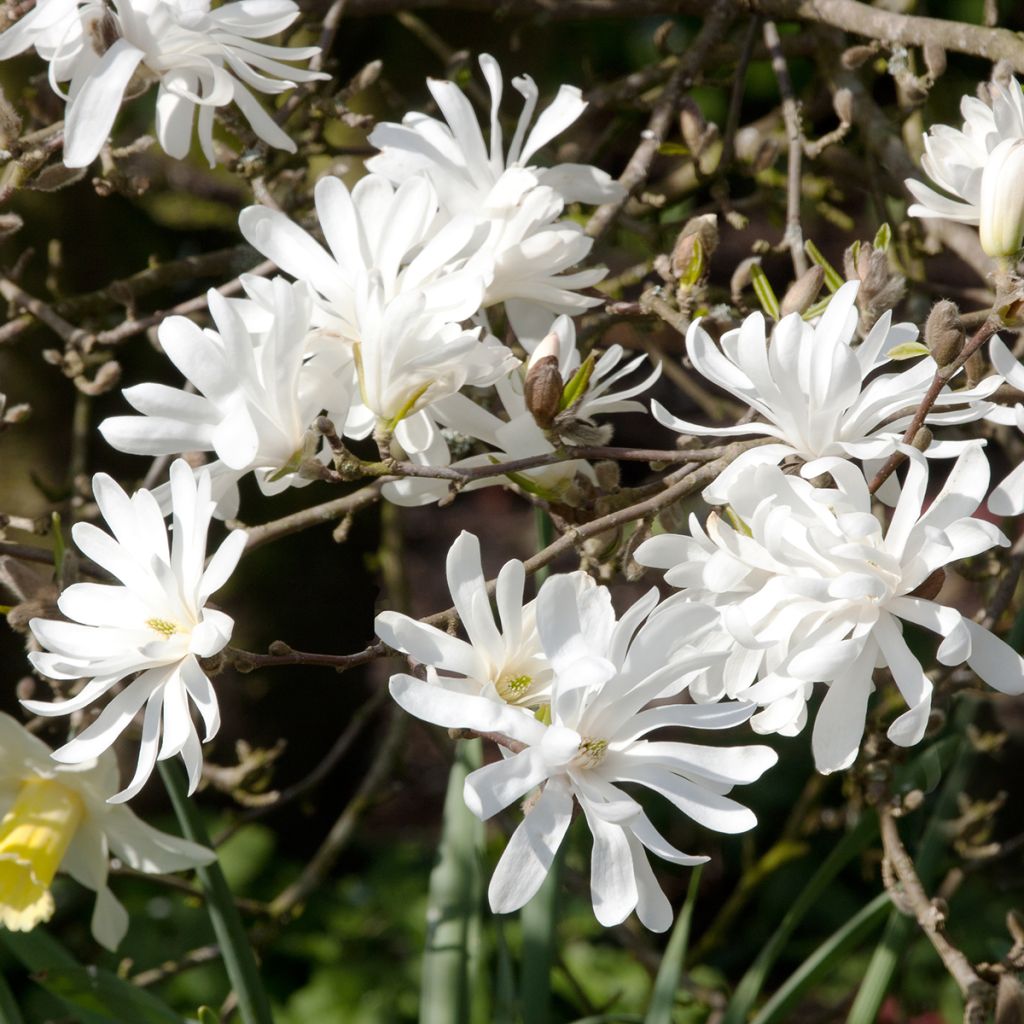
[94, 995]
[751, 983]
[505, 980]
[765, 293]
[824, 959]
[539, 921]
[663, 996]
[9, 1012]
[239, 959]
[453, 907]
[833, 279]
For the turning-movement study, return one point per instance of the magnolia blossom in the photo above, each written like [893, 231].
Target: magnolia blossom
[469, 175]
[200, 57]
[154, 624]
[502, 661]
[57, 817]
[1007, 499]
[517, 205]
[812, 589]
[603, 675]
[981, 166]
[261, 379]
[517, 435]
[393, 292]
[810, 383]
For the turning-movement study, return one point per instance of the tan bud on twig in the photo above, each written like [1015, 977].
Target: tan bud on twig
[944, 332]
[857, 55]
[803, 291]
[842, 104]
[692, 125]
[934, 59]
[543, 390]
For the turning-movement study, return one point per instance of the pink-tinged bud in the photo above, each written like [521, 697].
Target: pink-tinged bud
[1001, 226]
[549, 346]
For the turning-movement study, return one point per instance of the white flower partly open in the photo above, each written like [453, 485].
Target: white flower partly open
[154, 624]
[604, 675]
[262, 378]
[980, 164]
[1007, 497]
[57, 817]
[811, 386]
[202, 58]
[517, 205]
[813, 588]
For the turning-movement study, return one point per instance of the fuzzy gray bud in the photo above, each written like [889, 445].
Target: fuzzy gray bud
[944, 332]
[803, 291]
[842, 104]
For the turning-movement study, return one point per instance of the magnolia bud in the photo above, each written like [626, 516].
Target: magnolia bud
[934, 59]
[692, 125]
[944, 332]
[544, 384]
[857, 55]
[842, 104]
[1001, 227]
[803, 291]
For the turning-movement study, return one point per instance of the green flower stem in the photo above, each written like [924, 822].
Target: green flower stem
[239, 959]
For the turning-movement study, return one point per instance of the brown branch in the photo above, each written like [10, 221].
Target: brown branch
[978, 994]
[794, 236]
[716, 22]
[942, 377]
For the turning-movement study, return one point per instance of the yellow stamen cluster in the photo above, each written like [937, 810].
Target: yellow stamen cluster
[34, 837]
[164, 627]
[591, 753]
[511, 689]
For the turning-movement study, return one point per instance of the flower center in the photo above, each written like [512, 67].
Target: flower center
[164, 627]
[34, 837]
[591, 752]
[510, 689]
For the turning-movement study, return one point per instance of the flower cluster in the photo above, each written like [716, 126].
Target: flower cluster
[201, 59]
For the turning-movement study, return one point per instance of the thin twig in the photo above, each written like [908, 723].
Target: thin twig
[794, 237]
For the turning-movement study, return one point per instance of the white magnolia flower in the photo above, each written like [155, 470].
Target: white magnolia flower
[812, 589]
[517, 205]
[517, 436]
[503, 661]
[154, 624]
[469, 175]
[811, 386]
[604, 674]
[57, 30]
[262, 379]
[397, 233]
[57, 818]
[980, 165]
[408, 356]
[1007, 499]
[200, 57]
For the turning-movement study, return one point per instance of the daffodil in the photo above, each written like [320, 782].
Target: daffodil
[57, 817]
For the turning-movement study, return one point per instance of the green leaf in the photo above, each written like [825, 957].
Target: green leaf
[239, 959]
[95, 995]
[663, 996]
[9, 1012]
[825, 958]
[844, 851]
[698, 262]
[578, 384]
[883, 236]
[539, 921]
[908, 350]
[453, 905]
[833, 279]
[764, 292]
[208, 1016]
[673, 149]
